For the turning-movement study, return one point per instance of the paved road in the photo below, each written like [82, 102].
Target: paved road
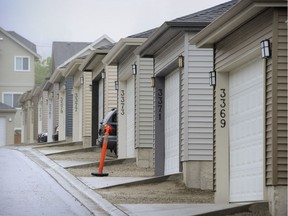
[25, 189]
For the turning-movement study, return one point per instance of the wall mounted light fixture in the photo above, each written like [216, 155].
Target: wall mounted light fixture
[212, 78]
[134, 69]
[265, 48]
[181, 61]
[116, 85]
[153, 81]
[103, 75]
[81, 80]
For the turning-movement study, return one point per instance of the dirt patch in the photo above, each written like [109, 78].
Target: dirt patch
[164, 192]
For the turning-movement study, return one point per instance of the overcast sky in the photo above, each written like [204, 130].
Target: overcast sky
[44, 21]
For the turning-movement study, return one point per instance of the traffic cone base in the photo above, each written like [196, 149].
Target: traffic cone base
[100, 174]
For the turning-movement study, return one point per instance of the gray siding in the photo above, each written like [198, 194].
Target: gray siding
[144, 104]
[69, 106]
[197, 119]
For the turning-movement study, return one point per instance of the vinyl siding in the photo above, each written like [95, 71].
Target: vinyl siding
[199, 130]
[144, 103]
[56, 105]
[44, 111]
[110, 98]
[279, 78]
[87, 104]
[69, 106]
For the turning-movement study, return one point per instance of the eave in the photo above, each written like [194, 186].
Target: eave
[125, 45]
[73, 67]
[165, 33]
[93, 59]
[231, 20]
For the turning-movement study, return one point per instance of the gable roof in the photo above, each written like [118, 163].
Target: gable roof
[26, 44]
[170, 29]
[235, 17]
[62, 51]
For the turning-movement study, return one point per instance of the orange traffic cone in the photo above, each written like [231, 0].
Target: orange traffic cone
[103, 153]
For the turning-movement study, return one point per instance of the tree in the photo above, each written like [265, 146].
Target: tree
[42, 70]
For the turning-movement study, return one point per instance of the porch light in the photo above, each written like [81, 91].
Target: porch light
[116, 85]
[265, 48]
[153, 82]
[134, 69]
[181, 61]
[81, 80]
[212, 78]
[103, 75]
[90, 87]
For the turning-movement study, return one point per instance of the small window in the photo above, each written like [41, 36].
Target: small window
[22, 63]
[11, 99]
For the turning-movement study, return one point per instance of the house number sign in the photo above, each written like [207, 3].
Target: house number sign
[223, 108]
[160, 103]
[122, 94]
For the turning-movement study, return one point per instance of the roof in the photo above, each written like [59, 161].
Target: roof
[23, 40]
[170, 29]
[62, 51]
[144, 34]
[26, 44]
[6, 108]
[233, 19]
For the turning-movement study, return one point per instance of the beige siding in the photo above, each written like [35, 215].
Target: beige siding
[87, 104]
[144, 104]
[281, 68]
[110, 99]
[200, 104]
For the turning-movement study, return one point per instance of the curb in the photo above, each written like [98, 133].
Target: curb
[89, 198]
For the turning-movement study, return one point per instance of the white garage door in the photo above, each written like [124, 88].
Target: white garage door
[130, 118]
[246, 132]
[2, 131]
[101, 102]
[172, 123]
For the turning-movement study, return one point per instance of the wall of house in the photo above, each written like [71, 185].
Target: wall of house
[144, 116]
[87, 109]
[69, 108]
[62, 112]
[197, 116]
[110, 98]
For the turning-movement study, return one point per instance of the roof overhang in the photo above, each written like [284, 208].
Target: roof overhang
[123, 46]
[231, 20]
[46, 85]
[93, 59]
[73, 67]
[57, 76]
[165, 34]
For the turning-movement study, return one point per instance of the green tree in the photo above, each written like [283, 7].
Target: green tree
[42, 70]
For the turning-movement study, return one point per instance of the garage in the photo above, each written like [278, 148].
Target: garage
[172, 123]
[246, 114]
[130, 118]
[2, 131]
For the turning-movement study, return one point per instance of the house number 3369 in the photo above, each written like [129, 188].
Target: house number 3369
[223, 106]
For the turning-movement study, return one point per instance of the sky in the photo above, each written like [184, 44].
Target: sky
[45, 21]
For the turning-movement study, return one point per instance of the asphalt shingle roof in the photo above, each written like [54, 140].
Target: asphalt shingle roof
[23, 40]
[62, 51]
[207, 15]
[144, 34]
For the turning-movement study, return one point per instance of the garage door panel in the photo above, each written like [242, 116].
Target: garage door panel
[172, 123]
[246, 113]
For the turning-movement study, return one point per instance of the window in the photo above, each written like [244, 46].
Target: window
[22, 63]
[11, 99]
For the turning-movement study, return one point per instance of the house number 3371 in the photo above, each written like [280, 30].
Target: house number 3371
[222, 106]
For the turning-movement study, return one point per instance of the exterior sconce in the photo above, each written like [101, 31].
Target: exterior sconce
[90, 87]
[103, 75]
[212, 78]
[116, 85]
[265, 48]
[81, 80]
[153, 82]
[10, 119]
[181, 61]
[134, 69]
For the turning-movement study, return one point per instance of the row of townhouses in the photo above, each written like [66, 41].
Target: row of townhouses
[204, 95]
